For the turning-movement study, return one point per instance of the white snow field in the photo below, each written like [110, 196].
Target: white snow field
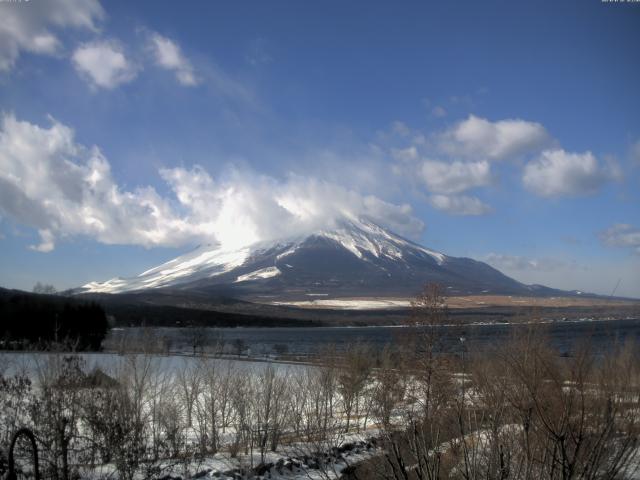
[268, 421]
[158, 382]
[350, 304]
[262, 273]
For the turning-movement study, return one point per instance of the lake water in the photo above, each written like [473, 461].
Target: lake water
[263, 343]
[564, 336]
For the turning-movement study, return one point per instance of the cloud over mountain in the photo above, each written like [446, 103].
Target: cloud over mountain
[50, 182]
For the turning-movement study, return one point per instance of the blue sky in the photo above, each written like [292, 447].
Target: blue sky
[504, 131]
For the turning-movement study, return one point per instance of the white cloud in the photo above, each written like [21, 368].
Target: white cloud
[479, 137]
[399, 218]
[622, 235]
[61, 188]
[454, 177]
[47, 243]
[30, 26]
[168, 55]
[558, 172]
[103, 64]
[459, 158]
[459, 204]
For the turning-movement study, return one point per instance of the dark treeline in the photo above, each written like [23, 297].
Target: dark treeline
[40, 320]
[136, 315]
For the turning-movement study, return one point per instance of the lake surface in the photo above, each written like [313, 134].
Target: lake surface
[564, 336]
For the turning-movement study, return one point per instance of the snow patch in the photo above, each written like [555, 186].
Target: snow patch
[259, 274]
[200, 263]
[440, 258]
[287, 253]
[360, 237]
[349, 304]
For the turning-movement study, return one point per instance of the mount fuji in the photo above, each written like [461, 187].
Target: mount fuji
[355, 258]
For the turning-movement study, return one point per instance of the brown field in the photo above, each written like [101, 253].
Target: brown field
[459, 302]
[475, 301]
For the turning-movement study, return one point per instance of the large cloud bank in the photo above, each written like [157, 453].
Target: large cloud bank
[50, 182]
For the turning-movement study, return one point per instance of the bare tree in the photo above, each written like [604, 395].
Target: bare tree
[269, 408]
[424, 349]
[16, 401]
[241, 395]
[322, 431]
[213, 407]
[198, 339]
[353, 375]
[389, 387]
[239, 346]
[55, 411]
[188, 379]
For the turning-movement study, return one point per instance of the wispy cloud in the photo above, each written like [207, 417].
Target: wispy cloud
[258, 53]
[622, 235]
[438, 111]
[459, 204]
[167, 54]
[565, 272]
[519, 262]
[32, 26]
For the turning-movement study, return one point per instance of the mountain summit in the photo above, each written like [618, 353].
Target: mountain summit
[356, 258]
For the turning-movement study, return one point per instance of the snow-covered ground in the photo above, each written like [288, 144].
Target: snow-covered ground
[258, 274]
[165, 378]
[287, 464]
[291, 463]
[350, 304]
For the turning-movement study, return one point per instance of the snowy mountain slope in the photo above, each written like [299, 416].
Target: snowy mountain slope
[357, 257]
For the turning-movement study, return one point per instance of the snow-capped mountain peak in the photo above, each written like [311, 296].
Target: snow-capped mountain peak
[354, 257]
[362, 238]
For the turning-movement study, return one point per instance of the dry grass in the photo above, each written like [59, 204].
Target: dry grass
[474, 301]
